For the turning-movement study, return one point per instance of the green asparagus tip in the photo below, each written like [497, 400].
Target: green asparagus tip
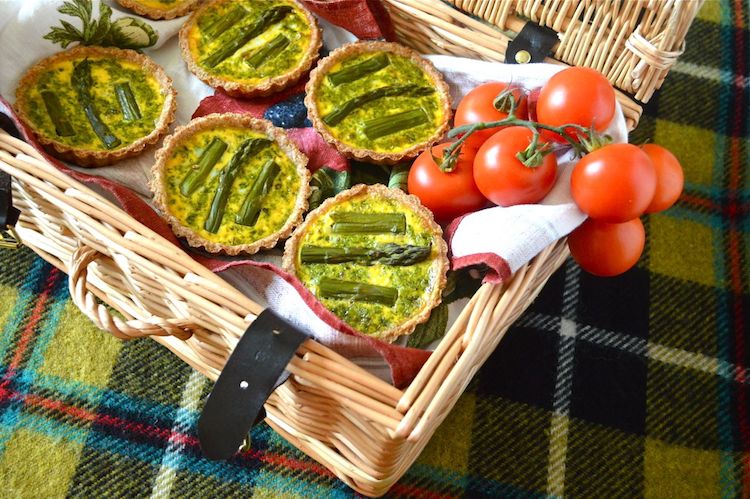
[253, 204]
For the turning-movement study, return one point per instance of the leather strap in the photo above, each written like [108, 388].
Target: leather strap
[8, 214]
[254, 370]
[535, 40]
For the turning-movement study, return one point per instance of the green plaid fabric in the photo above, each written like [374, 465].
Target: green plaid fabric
[631, 386]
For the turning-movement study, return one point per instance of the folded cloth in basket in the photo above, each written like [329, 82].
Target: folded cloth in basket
[515, 234]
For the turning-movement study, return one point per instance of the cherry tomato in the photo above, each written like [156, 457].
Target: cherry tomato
[605, 249]
[478, 106]
[614, 184]
[581, 96]
[669, 177]
[447, 195]
[505, 180]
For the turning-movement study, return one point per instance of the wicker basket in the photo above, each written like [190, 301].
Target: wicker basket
[363, 429]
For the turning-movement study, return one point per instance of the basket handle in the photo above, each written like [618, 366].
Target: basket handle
[101, 316]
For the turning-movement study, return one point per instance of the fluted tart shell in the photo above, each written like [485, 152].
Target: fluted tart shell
[438, 260]
[237, 86]
[86, 156]
[219, 122]
[371, 155]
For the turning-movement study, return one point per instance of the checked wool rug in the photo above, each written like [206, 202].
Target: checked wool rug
[630, 386]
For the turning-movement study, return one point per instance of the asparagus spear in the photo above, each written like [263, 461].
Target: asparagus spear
[226, 180]
[247, 33]
[387, 254]
[210, 156]
[225, 22]
[128, 104]
[359, 70]
[345, 222]
[268, 51]
[63, 128]
[387, 125]
[82, 83]
[338, 114]
[250, 210]
[357, 291]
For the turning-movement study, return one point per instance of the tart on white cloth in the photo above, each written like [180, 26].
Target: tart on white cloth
[250, 48]
[95, 106]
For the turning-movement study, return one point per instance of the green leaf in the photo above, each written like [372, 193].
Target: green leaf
[60, 36]
[460, 285]
[326, 183]
[432, 330]
[127, 32]
[103, 27]
[105, 13]
[399, 177]
[71, 30]
[366, 173]
[71, 9]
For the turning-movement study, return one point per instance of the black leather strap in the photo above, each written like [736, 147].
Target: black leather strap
[253, 371]
[8, 214]
[536, 40]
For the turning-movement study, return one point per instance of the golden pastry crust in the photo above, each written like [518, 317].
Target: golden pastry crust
[264, 87]
[183, 7]
[293, 244]
[85, 157]
[277, 135]
[352, 50]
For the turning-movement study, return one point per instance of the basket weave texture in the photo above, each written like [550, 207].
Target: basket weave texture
[363, 429]
[633, 43]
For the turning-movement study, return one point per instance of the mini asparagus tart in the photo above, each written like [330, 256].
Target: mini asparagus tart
[95, 106]
[250, 48]
[231, 183]
[374, 257]
[377, 101]
[160, 9]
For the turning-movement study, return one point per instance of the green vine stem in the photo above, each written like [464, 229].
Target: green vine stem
[533, 155]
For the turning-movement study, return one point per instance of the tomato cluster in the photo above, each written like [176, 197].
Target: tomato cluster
[614, 186]
[502, 157]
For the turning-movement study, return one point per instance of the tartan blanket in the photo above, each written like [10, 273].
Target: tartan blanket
[630, 386]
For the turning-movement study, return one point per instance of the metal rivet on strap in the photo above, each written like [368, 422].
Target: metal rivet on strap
[523, 57]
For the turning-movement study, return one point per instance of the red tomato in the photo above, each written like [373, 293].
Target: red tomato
[614, 184]
[477, 106]
[581, 96]
[503, 179]
[447, 195]
[605, 249]
[669, 177]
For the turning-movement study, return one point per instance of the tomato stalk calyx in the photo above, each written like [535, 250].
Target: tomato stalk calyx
[506, 101]
[534, 154]
[591, 140]
[449, 160]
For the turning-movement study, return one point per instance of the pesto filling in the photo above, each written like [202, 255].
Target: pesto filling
[192, 209]
[224, 24]
[413, 282]
[107, 74]
[424, 108]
